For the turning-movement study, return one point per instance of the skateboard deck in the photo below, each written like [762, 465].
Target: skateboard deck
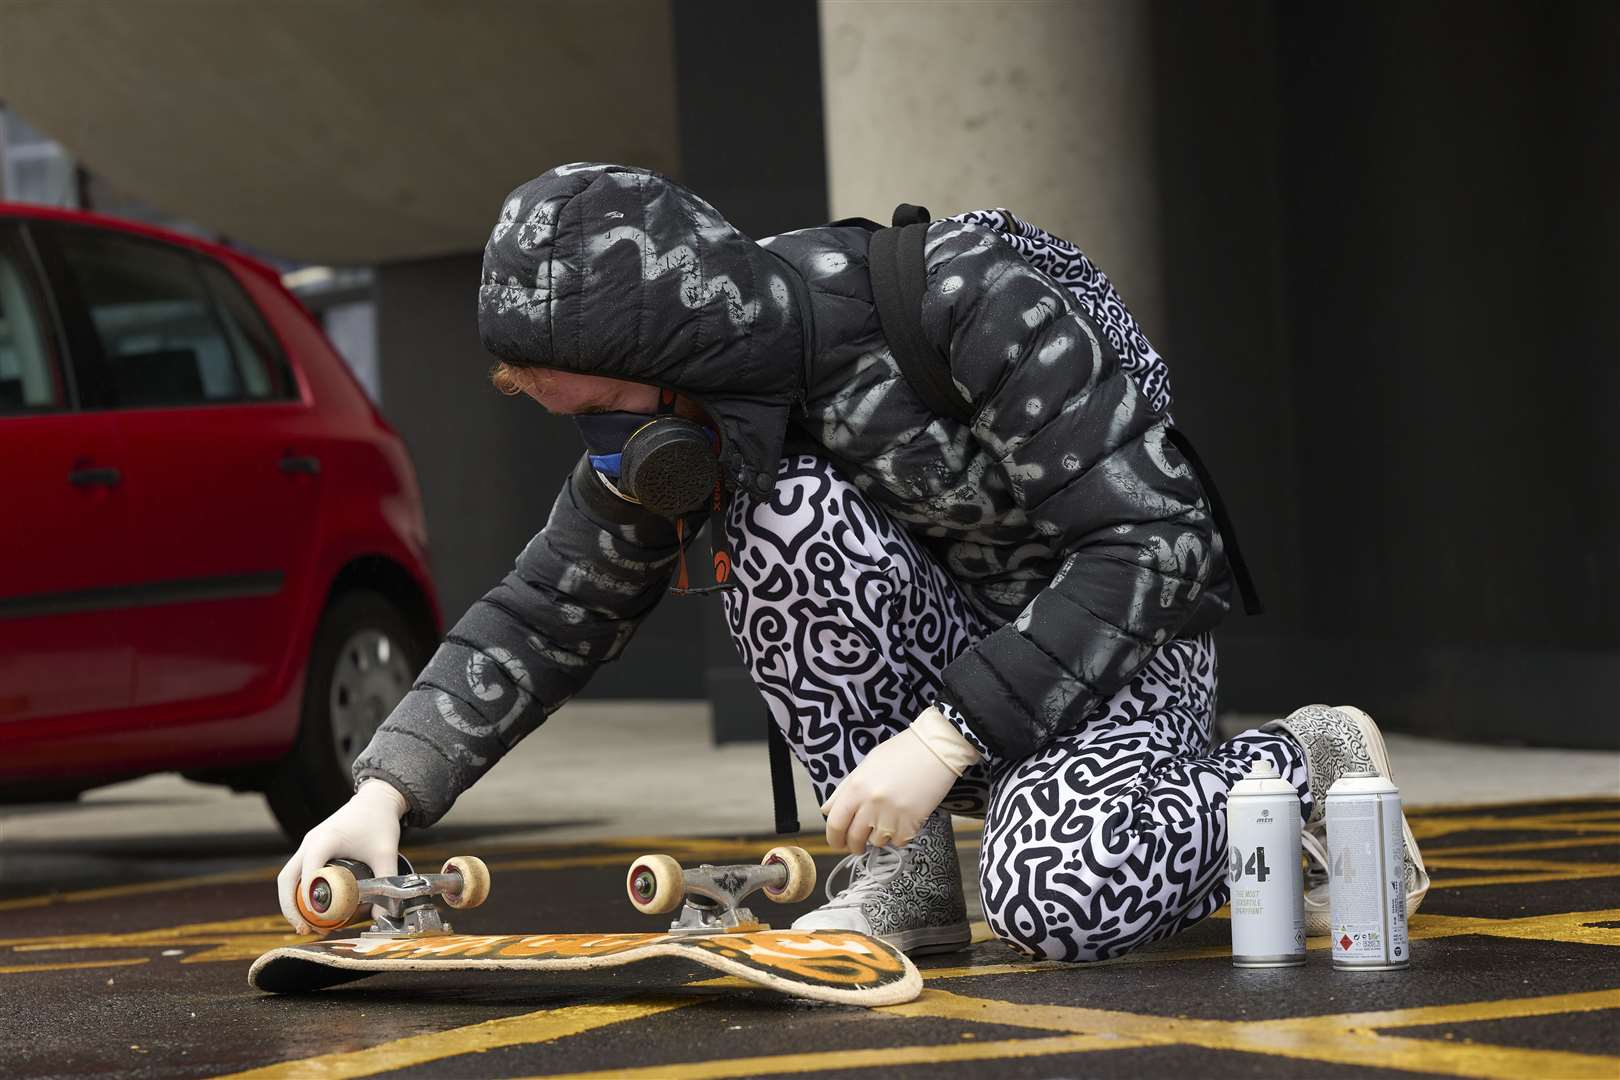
[835, 966]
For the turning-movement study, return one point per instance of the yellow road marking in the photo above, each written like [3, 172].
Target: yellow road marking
[888, 1057]
[1523, 845]
[1341, 1039]
[687, 849]
[1426, 809]
[1428, 828]
[111, 892]
[1334, 1039]
[1515, 879]
[233, 939]
[1471, 862]
[28, 969]
[1469, 1012]
[1570, 927]
[543, 1026]
[1605, 818]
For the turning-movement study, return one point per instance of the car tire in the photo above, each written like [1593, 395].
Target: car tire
[364, 658]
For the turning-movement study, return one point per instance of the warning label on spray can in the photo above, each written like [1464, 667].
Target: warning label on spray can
[1366, 873]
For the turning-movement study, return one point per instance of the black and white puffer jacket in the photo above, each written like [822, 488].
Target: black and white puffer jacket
[1062, 510]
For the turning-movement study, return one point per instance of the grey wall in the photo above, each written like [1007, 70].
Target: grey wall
[1390, 246]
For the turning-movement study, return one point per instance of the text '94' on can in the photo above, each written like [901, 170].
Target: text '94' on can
[1263, 870]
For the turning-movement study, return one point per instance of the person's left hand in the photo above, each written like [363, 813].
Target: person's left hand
[888, 796]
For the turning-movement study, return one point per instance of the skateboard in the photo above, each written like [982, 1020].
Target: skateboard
[712, 929]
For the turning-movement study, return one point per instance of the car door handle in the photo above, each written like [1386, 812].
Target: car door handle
[292, 463]
[103, 477]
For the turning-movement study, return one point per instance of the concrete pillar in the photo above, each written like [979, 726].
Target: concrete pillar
[1043, 107]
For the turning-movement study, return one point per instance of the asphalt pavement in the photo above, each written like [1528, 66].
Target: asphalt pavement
[1516, 972]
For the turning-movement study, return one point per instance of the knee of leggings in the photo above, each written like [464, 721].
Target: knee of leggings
[1049, 923]
[1038, 942]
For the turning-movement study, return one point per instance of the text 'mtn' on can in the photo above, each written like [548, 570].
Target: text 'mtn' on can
[1263, 869]
[1366, 874]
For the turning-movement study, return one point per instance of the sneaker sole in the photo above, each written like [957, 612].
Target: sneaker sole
[930, 939]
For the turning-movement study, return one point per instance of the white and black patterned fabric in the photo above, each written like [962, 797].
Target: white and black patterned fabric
[1105, 839]
[1068, 265]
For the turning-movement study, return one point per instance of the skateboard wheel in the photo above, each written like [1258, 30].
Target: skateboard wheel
[474, 881]
[801, 874]
[329, 898]
[655, 884]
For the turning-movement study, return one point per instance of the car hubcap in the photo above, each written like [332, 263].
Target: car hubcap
[370, 679]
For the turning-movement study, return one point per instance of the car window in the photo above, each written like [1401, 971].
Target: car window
[30, 378]
[258, 354]
[161, 340]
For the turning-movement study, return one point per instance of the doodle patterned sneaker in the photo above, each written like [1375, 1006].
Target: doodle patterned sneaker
[909, 896]
[1336, 741]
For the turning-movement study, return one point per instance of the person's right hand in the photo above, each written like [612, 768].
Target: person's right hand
[364, 828]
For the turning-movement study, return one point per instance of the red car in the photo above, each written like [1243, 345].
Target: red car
[213, 556]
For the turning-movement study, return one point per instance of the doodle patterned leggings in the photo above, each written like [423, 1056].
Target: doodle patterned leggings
[1110, 838]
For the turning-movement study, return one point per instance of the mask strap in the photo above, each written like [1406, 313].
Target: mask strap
[717, 529]
[717, 543]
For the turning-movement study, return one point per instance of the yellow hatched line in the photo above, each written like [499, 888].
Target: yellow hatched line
[1470, 862]
[888, 1057]
[1570, 927]
[1426, 826]
[1469, 1012]
[143, 888]
[545, 1025]
[1595, 801]
[30, 969]
[1522, 845]
[1517, 879]
[244, 939]
[1332, 1039]
[1335, 1039]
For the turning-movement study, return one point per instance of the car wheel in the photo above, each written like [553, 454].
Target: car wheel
[364, 659]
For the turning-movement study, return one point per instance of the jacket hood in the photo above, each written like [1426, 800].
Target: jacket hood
[617, 271]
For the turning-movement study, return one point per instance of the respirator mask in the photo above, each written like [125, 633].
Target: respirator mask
[667, 463]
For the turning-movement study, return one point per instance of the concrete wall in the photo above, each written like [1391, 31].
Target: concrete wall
[1044, 107]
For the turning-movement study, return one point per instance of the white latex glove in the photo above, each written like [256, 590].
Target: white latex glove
[364, 828]
[896, 786]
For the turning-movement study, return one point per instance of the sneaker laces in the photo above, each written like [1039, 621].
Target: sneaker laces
[869, 871]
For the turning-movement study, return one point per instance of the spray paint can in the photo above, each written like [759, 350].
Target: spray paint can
[1366, 874]
[1263, 870]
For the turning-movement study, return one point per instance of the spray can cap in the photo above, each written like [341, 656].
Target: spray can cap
[1262, 769]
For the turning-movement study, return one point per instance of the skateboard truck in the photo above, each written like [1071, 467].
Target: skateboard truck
[403, 904]
[710, 897]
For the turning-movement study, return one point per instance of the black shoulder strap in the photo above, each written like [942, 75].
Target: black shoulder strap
[899, 277]
[1223, 522]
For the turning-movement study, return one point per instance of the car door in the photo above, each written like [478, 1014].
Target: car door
[66, 624]
[223, 491]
